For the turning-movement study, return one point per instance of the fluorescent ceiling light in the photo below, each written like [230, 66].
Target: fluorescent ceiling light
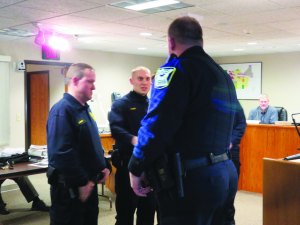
[142, 48]
[152, 4]
[145, 34]
[238, 49]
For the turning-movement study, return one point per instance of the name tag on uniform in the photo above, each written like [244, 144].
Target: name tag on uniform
[163, 77]
[81, 121]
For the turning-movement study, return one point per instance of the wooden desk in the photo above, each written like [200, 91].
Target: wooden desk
[107, 142]
[21, 169]
[281, 196]
[259, 141]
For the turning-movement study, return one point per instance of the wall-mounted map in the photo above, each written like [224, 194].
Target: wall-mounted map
[246, 78]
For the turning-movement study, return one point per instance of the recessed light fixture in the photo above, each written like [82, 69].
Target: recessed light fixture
[142, 48]
[238, 49]
[151, 4]
[16, 32]
[252, 43]
[145, 34]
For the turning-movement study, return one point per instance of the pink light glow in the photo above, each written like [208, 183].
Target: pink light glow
[58, 43]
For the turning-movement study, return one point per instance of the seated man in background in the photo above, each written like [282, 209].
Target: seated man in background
[29, 193]
[265, 113]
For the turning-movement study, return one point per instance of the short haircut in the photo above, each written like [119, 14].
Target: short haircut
[77, 70]
[264, 96]
[186, 30]
[140, 68]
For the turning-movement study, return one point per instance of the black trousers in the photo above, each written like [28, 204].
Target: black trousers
[208, 193]
[235, 154]
[127, 202]
[67, 209]
[26, 188]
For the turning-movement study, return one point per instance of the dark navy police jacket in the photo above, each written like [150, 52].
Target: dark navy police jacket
[191, 111]
[74, 146]
[125, 120]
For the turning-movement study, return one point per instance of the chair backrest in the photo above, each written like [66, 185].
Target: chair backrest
[115, 96]
[282, 113]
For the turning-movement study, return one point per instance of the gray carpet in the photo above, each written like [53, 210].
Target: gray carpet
[248, 206]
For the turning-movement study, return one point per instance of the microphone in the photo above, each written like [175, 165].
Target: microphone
[291, 157]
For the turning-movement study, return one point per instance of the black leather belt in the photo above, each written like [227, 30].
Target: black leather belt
[190, 164]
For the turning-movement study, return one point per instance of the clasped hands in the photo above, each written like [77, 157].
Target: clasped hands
[140, 185]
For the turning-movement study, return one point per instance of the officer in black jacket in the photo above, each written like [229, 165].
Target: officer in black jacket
[191, 111]
[75, 154]
[125, 120]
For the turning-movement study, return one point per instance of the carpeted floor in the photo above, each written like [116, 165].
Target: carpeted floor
[248, 206]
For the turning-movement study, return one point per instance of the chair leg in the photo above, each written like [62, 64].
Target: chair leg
[105, 196]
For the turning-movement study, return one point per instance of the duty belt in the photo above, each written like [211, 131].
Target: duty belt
[190, 164]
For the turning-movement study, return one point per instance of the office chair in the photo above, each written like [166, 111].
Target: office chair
[115, 96]
[282, 113]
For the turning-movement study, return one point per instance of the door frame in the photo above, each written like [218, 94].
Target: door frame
[27, 95]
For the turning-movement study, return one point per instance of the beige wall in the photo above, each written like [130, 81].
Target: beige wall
[112, 69]
[280, 79]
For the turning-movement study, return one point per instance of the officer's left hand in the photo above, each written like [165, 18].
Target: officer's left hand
[85, 191]
[136, 185]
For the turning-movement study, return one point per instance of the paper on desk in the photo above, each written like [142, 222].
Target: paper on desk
[43, 163]
[295, 160]
[38, 147]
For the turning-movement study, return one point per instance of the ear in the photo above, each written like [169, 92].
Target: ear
[75, 80]
[172, 43]
[130, 80]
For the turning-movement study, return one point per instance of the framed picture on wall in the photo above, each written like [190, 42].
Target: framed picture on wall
[246, 78]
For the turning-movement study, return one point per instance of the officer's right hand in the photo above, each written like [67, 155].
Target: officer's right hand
[137, 186]
[85, 191]
[134, 140]
[105, 173]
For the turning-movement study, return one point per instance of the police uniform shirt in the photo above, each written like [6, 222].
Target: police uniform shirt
[74, 146]
[125, 120]
[191, 111]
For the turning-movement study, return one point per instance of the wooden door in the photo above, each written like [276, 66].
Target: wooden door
[39, 106]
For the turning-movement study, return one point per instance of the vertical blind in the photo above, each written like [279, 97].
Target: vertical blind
[4, 102]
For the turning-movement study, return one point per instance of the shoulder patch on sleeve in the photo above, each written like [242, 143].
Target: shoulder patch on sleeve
[163, 77]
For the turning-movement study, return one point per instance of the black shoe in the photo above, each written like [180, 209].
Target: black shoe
[39, 205]
[3, 210]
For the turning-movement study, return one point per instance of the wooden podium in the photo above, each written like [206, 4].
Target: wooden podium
[281, 192]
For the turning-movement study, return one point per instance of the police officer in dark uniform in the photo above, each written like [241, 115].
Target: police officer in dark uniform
[239, 126]
[190, 116]
[125, 120]
[76, 157]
